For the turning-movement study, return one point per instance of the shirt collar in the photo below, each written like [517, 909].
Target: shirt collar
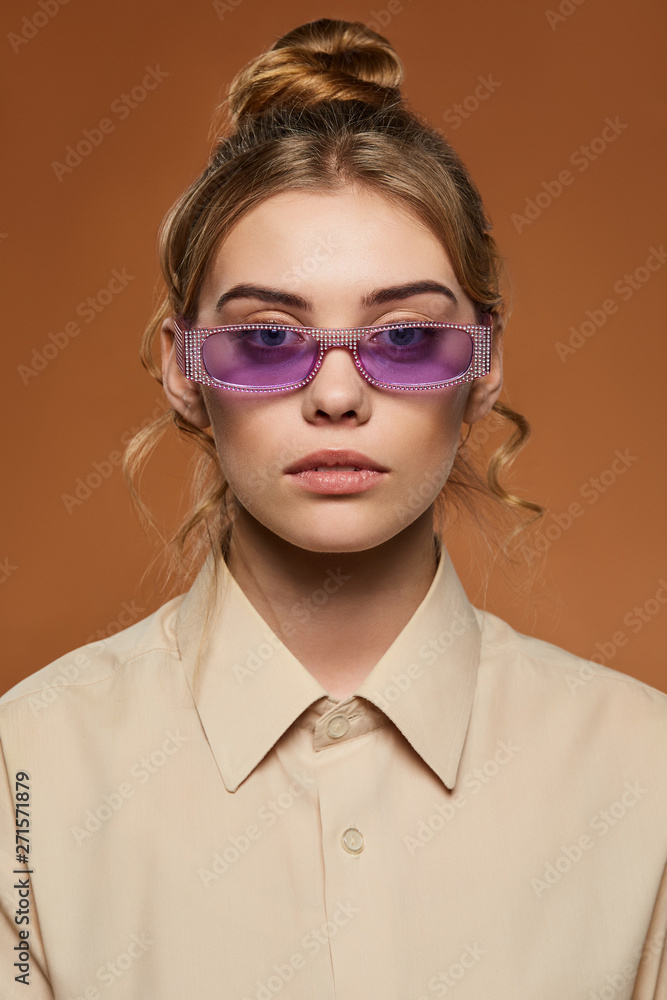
[250, 688]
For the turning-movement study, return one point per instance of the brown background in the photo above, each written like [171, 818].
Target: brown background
[66, 576]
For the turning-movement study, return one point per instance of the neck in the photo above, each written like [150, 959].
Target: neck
[337, 612]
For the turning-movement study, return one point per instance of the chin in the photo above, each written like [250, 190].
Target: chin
[336, 535]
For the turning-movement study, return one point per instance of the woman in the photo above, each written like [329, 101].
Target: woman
[321, 772]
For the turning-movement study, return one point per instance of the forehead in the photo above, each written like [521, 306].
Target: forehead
[317, 238]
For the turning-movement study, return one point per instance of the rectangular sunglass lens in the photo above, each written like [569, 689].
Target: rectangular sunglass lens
[416, 355]
[259, 356]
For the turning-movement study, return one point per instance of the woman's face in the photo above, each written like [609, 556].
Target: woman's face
[339, 259]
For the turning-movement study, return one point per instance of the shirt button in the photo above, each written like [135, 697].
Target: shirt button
[353, 841]
[337, 726]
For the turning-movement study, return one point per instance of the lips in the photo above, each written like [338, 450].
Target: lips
[336, 472]
[334, 458]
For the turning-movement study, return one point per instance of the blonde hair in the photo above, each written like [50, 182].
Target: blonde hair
[320, 109]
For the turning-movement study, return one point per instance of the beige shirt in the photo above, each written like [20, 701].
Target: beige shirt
[486, 818]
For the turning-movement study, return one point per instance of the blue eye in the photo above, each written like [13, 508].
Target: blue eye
[401, 336]
[269, 337]
[273, 337]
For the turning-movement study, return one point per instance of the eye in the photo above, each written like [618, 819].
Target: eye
[403, 336]
[271, 336]
[274, 336]
[410, 335]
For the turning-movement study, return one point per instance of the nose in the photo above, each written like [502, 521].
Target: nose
[338, 389]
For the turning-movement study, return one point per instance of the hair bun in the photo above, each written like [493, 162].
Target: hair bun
[322, 60]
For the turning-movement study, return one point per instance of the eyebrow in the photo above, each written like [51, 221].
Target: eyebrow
[378, 297]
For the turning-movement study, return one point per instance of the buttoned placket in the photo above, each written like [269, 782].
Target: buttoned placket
[342, 735]
[333, 724]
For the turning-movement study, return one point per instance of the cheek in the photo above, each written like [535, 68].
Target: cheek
[430, 427]
[428, 445]
[250, 439]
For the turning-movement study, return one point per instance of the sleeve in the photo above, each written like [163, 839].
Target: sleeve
[19, 924]
[651, 981]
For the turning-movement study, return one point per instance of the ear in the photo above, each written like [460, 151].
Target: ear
[485, 391]
[183, 394]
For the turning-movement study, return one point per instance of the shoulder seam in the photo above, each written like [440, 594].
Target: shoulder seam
[618, 678]
[119, 666]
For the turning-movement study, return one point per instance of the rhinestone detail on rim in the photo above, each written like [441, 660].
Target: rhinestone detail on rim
[188, 345]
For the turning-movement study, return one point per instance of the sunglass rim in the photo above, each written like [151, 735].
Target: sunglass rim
[193, 366]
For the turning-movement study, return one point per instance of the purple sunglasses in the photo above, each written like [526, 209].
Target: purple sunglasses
[269, 357]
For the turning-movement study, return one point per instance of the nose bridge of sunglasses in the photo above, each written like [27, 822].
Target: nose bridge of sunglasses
[342, 347]
[339, 338]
